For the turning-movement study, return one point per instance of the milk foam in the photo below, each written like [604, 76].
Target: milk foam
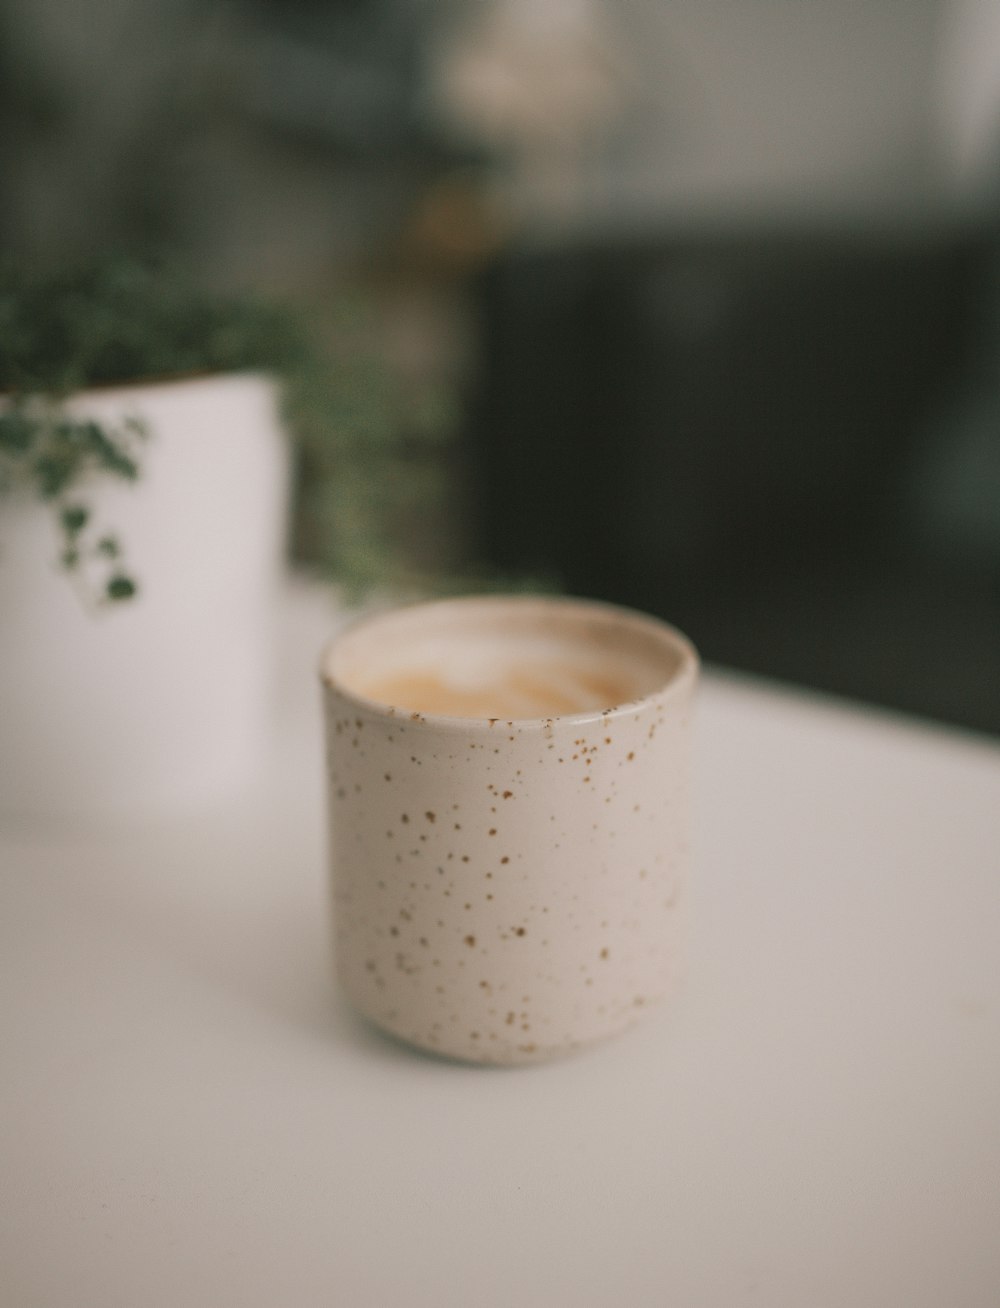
[507, 657]
[504, 676]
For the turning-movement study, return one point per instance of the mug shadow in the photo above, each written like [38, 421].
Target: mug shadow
[310, 1000]
[238, 916]
[279, 964]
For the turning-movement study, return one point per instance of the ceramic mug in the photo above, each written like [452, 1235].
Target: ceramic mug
[509, 820]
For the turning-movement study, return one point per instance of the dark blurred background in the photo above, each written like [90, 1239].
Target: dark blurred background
[715, 284]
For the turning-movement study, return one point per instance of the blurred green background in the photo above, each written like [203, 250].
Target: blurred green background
[692, 306]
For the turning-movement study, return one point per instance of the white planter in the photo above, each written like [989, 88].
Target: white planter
[163, 702]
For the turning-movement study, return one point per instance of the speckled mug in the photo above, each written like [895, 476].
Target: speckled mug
[509, 889]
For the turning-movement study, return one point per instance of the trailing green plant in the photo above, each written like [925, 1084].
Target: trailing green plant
[370, 442]
[374, 493]
[51, 456]
[105, 321]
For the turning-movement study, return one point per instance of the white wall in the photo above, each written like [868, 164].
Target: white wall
[968, 88]
[719, 107]
[768, 104]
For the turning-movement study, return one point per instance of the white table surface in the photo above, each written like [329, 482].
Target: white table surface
[189, 1114]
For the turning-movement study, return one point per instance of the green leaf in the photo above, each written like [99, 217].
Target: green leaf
[74, 519]
[109, 547]
[111, 456]
[54, 473]
[120, 587]
[17, 432]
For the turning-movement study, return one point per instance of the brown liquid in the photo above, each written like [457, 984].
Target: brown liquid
[523, 692]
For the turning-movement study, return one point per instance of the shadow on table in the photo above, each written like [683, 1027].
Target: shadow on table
[233, 907]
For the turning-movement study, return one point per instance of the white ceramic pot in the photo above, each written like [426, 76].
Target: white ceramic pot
[163, 702]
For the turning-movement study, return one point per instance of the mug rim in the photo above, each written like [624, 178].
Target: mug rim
[682, 678]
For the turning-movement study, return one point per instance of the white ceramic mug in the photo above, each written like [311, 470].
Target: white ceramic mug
[509, 833]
